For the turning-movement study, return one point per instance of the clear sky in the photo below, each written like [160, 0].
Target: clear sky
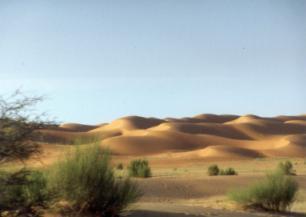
[100, 60]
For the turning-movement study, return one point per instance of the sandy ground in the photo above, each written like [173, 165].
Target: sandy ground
[190, 192]
[204, 196]
[173, 210]
[183, 189]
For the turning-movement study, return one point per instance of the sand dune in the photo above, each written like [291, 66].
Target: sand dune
[149, 142]
[203, 128]
[77, 127]
[288, 118]
[133, 122]
[201, 136]
[297, 122]
[221, 151]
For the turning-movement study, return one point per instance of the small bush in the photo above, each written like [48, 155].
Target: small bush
[119, 166]
[139, 168]
[23, 190]
[276, 192]
[86, 181]
[213, 170]
[286, 168]
[228, 172]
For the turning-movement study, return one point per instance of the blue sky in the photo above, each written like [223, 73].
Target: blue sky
[100, 60]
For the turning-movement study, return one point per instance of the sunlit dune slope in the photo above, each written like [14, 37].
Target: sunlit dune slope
[201, 136]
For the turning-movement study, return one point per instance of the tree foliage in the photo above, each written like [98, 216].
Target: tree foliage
[19, 126]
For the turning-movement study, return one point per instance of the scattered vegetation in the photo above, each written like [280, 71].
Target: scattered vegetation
[276, 192]
[213, 170]
[139, 168]
[119, 166]
[23, 192]
[86, 181]
[228, 172]
[286, 168]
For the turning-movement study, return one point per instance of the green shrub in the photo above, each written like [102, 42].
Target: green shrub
[286, 168]
[119, 166]
[276, 192]
[228, 172]
[139, 168]
[86, 181]
[213, 170]
[36, 191]
[22, 190]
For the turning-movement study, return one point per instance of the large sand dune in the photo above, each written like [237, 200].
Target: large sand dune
[201, 136]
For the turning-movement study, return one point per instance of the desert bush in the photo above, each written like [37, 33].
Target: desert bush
[228, 172]
[139, 168]
[119, 166]
[22, 191]
[36, 191]
[286, 168]
[213, 170]
[86, 181]
[276, 192]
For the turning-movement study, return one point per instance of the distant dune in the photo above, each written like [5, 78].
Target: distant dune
[76, 127]
[201, 136]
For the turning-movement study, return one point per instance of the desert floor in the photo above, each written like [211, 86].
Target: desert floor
[181, 187]
[184, 188]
